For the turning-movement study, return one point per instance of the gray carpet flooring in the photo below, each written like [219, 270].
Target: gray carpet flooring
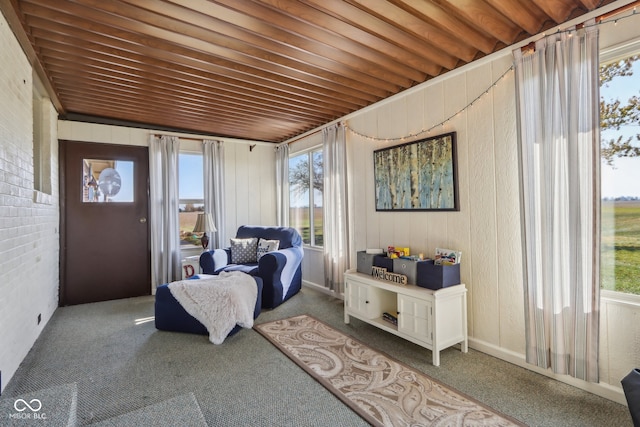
[122, 364]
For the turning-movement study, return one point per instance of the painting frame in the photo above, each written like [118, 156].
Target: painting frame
[417, 176]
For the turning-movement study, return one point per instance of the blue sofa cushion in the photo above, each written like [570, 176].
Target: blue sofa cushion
[251, 268]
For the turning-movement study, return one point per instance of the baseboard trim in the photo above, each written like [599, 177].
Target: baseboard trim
[321, 289]
[607, 391]
[600, 389]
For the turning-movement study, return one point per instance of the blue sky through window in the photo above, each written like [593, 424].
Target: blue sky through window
[298, 199]
[190, 173]
[623, 179]
[125, 170]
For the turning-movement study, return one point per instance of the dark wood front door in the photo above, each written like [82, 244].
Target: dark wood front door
[104, 233]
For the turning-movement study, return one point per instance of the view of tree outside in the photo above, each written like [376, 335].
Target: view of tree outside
[191, 194]
[305, 190]
[620, 174]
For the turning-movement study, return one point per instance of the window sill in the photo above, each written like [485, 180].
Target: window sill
[42, 198]
[619, 298]
[187, 251]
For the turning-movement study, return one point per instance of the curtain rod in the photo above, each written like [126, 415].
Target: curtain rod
[159, 135]
[598, 19]
[618, 11]
[225, 139]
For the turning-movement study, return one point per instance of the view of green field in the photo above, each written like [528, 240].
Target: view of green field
[620, 256]
[299, 219]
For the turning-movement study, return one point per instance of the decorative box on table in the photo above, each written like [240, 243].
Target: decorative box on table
[365, 262]
[408, 267]
[434, 276]
[384, 262]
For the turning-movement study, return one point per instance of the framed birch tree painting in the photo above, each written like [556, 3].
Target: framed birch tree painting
[417, 176]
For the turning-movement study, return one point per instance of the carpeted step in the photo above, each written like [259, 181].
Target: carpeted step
[55, 406]
[182, 410]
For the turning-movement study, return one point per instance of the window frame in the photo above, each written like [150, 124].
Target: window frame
[189, 247]
[309, 152]
[42, 143]
[610, 54]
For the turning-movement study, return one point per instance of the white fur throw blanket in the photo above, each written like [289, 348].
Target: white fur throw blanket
[218, 302]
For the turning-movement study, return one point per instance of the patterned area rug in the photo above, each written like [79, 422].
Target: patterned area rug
[380, 389]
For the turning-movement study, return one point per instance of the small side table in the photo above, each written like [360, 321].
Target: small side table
[190, 266]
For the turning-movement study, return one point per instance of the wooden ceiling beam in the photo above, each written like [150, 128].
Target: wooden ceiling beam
[94, 85]
[118, 48]
[144, 101]
[172, 86]
[591, 4]
[484, 17]
[293, 31]
[255, 32]
[174, 118]
[245, 47]
[147, 102]
[446, 40]
[151, 43]
[191, 77]
[449, 23]
[182, 119]
[526, 14]
[558, 10]
[315, 18]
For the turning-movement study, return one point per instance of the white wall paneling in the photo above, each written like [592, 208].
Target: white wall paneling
[487, 227]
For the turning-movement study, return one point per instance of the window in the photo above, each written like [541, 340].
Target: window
[191, 193]
[42, 123]
[107, 181]
[620, 172]
[305, 197]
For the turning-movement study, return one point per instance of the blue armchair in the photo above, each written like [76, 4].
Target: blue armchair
[280, 270]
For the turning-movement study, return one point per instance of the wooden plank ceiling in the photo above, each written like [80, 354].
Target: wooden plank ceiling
[260, 69]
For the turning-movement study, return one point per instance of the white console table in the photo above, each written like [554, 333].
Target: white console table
[432, 319]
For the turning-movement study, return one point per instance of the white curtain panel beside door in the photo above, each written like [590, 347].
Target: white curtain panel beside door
[164, 199]
[214, 187]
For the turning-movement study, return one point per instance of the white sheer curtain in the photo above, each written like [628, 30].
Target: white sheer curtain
[282, 185]
[558, 114]
[213, 159]
[164, 198]
[336, 218]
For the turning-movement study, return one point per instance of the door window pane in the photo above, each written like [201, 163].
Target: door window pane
[107, 181]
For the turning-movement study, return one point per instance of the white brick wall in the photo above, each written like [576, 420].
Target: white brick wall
[29, 239]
